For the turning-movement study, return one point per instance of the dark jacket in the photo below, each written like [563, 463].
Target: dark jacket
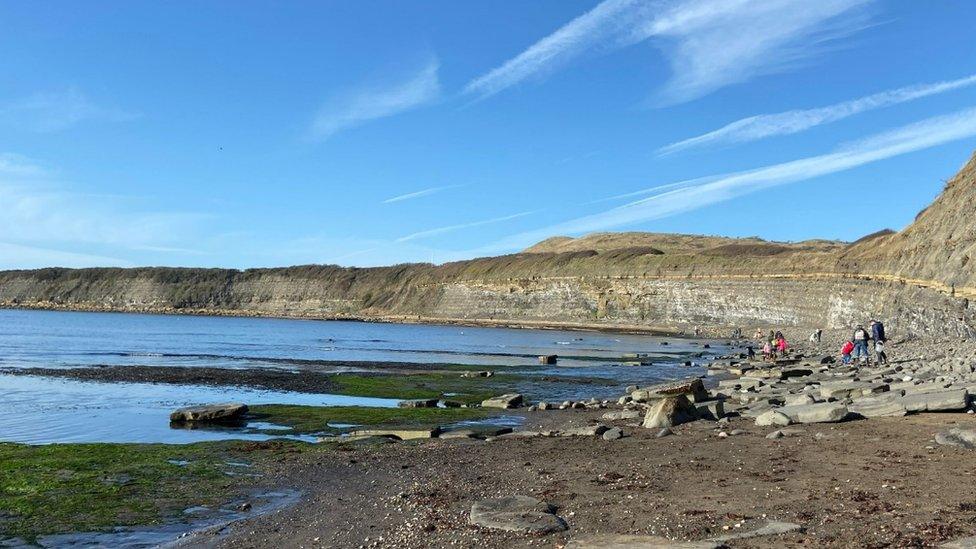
[877, 332]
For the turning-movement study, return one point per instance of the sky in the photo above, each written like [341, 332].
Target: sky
[247, 134]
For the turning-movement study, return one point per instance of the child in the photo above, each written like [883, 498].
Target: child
[781, 346]
[846, 350]
[767, 351]
[879, 347]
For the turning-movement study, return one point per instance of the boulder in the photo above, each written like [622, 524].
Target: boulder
[692, 388]
[825, 412]
[962, 438]
[773, 417]
[712, 409]
[670, 411]
[613, 433]
[504, 402]
[418, 403]
[516, 514]
[212, 413]
[799, 400]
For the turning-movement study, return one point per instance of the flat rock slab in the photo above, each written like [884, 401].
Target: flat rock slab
[587, 431]
[504, 402]
[826, 412]
[962, 438]
[936, 401]
[878, 407]
[622, 415]
[850, 389]
[961, 543]
[418, 403]
[402, 434]
[772, 528]
[475, 433]
[214, 413]
[624, 541]
[516, 514]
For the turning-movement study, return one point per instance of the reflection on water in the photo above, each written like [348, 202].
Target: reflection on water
[56, 338]
[40, 410]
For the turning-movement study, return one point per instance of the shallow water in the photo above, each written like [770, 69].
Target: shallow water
[41, 410]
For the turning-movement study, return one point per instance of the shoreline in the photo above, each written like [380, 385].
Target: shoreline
[708, 332]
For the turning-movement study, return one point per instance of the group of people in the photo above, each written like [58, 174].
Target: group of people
[773, 345]
[856, 348]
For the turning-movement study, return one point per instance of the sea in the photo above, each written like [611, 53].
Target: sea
[42, 410]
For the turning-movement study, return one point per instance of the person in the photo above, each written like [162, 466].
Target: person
[758, 335]
[816, 335]
[878, 331]
[879, 349]
[750, 353]
[845, 352]
[781, 345]
[860, 339]
[767, 351]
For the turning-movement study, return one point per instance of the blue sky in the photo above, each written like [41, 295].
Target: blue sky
[241, 134]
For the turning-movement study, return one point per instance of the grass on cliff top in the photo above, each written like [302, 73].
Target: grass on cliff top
[316, 419]
[62, 488]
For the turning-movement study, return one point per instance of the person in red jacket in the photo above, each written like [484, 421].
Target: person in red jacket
[845, 352]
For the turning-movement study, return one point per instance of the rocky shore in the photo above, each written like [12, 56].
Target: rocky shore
[801, 452]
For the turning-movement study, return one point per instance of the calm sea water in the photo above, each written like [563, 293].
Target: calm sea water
[42, 410]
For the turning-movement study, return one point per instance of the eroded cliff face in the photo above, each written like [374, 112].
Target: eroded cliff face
[919, 280]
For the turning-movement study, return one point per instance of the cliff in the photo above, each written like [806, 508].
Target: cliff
[919, 279]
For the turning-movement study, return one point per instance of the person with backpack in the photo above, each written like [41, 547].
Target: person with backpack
[878, 335]
[860, 339]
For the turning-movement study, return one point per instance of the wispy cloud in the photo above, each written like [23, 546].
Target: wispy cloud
[15, 256]
[784, 123]
[13, 164]
[600, 23]
[357, 107]
[711, 45]
[42, 213]
[56, 111]
[654, 190]
[418, 194]
[708, 44]
[451, 228]
[921, 135]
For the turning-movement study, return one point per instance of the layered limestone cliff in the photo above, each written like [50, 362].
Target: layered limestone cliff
[919, 280]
